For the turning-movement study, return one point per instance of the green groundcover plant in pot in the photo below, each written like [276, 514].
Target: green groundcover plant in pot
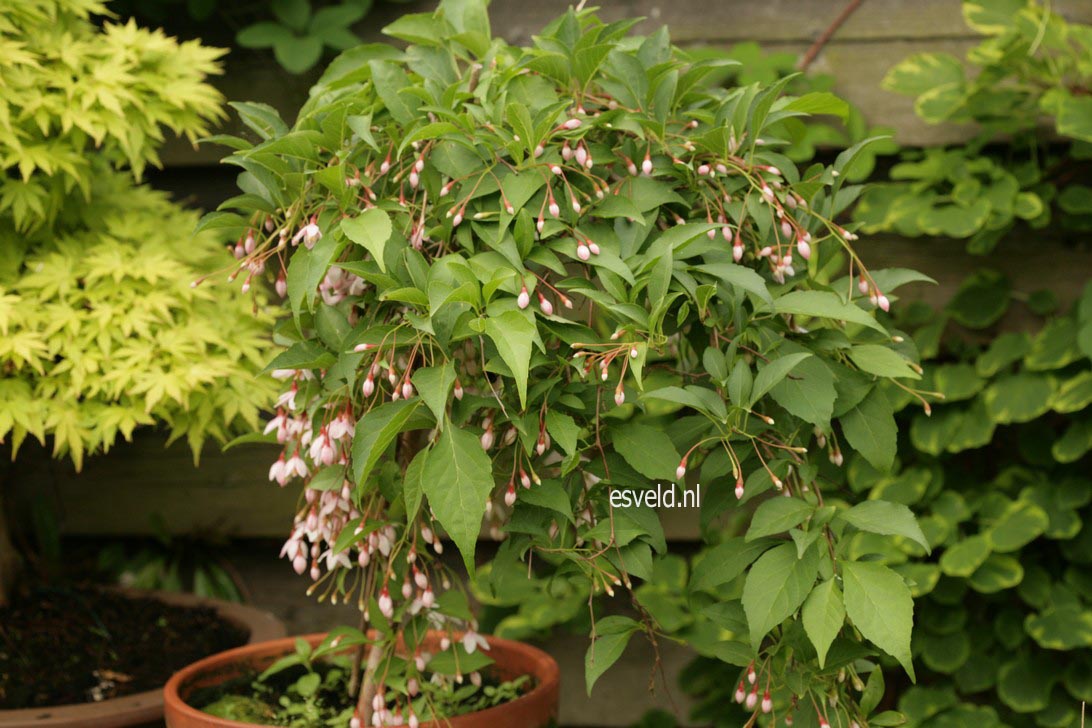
[523, 280]
[101, 331]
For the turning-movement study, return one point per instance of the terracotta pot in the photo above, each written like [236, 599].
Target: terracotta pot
[140, 709]
[535, 709]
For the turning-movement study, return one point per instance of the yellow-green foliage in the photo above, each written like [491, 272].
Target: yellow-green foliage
[67, 88]
[100, 329]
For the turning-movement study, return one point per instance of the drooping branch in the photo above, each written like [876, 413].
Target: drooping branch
[813, 52]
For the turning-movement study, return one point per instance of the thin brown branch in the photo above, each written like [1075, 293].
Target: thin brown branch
[813, 52]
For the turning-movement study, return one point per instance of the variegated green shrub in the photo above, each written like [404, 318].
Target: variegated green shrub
[1032, 67]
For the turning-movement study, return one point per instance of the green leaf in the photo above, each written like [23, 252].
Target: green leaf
[261, 35]
[809, 394]
[375, 431]
[457, 478]
[514, 336]
[997, 573]
[887, 519]
[611, 637]
[881, 361]
[776, 586]
[1018, 525]
[303, 355]
[778, 515]
[824, 304]
[1067, 627]
[1005, 350]
[1075, 117]
[823, 615]
[307, 269]
[434, 385]
[870, 430]
[739, 276]
[879, 603]
[412, 485]
[964, 557]
[819, 102]
[725, 561]
[873, 692]
[370, 229]
[563, 430]
[772, 374]
[647, 449]
[297, 53]
[923, 72]
[293, 13]
[1019, 398]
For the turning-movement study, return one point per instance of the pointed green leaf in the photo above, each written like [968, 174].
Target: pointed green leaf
[879, 603]
[371, 230]
[776, 586]
[823, 615]
[457, 478]
[514, 336]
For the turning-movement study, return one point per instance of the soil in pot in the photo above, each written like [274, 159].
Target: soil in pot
[75, 645]
[298, 696]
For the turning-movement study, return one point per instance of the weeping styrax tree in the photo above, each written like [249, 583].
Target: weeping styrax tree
[522, 279]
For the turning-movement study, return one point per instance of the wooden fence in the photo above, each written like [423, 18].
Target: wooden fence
[230, 493]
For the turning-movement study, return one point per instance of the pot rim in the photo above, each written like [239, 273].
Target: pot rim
[144, 706]
[548, 676]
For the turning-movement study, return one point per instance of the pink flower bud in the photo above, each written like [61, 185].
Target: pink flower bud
[524, 298]
[458, 389]
[752, 699]
[407, 390]
[740, 693]
[545, 305]
[737, 252]
[646, 165]
[368, 388]
[883, 303]
[862, 285]
[804, 248]
[572, 124]
[703, 170]
[487, 439]
[632, 169]
[555, 169]
[680, 472]
[583, 252]
[457, 219]
[593, 247]
[767, 703]
[554, 208]
[386, 606]
[619, 397]
[739, 488]
[299, 564]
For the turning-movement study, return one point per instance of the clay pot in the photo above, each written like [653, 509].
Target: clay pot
[140, 709]
[536, 709]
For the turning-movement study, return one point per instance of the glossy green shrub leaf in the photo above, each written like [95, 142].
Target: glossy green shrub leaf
[823, 615]
[879, 604]
[777, 584]
[612, 634]
[457, 479]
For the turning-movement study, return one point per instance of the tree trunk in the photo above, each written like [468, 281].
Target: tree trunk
[9, 558]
